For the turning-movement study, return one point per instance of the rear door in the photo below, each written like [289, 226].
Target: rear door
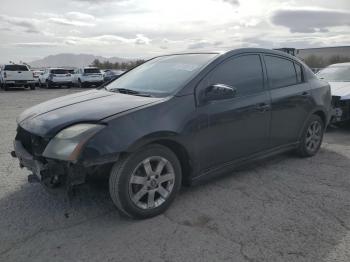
[239, 126]
[291, 99]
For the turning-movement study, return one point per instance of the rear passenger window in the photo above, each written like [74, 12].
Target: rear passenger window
[280, 72]
[299, 72]
[243, 72]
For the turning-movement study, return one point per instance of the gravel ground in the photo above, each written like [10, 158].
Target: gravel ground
[281, 209]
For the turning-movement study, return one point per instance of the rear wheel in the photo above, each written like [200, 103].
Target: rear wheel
[312, 137]
[32, 87]
[144, 184]
[80, 84]
[48, 84]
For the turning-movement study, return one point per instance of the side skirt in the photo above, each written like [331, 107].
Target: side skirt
[229, 166]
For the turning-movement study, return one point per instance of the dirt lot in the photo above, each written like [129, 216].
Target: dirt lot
[281, 209]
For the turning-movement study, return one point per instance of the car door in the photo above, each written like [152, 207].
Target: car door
[291, 100]
[237, 127]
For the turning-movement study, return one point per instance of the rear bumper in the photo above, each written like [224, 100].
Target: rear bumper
[54, 82]
[19, 82]
[92, 80]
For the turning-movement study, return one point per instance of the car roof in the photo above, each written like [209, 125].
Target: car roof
[227, 53]
[340, 64]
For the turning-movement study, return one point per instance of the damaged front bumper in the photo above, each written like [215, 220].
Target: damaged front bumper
[341, 109]
[51, 173]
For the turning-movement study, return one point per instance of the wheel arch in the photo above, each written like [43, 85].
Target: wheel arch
[319, 112]
[172, 142]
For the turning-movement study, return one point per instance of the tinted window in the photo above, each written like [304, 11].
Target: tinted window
[92, 71]
[280, 72]
[59, 71]
[299, 72]
[162, 76]
[16, 68]
[244, 73]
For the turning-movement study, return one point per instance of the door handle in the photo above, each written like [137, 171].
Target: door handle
[305, 93]
[262, 107]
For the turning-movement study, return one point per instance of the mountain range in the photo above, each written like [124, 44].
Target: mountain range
[73, 60]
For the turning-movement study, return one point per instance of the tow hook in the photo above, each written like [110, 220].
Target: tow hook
[13, 154]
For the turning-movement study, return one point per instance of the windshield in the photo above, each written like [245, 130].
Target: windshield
[335, 74]
[162, 76]
[16, 68]
[59, 71]
[92, 71]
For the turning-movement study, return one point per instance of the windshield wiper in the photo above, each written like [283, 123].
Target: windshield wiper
[129, 92]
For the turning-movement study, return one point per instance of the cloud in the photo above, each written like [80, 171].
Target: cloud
[310, 20]
[102, 40]
[26, 24]
[80, 16]
[71, 19]
[36, 44]
[69, 22]
[200, 44]
[232, 2]
[96, 2]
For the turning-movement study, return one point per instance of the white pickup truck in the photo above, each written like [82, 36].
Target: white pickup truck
[13, 75]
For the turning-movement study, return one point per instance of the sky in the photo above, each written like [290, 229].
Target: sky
[33, 29]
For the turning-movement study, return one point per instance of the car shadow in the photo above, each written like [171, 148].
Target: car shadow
[281, 209]
[16, 89]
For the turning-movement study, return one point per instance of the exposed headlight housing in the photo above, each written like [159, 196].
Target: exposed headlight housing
[67, 144]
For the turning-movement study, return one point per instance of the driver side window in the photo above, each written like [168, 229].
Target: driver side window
[242, 72]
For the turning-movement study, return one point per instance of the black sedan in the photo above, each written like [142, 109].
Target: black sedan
[176, 119]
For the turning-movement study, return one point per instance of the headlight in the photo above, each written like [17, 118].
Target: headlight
[67, 144]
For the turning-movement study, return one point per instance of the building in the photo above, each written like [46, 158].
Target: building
[324, 52]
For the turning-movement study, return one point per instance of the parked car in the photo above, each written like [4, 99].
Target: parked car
[16, 75]
[338, 76]
[56, 77]
[88, 76]
[36, 75]
[176, 119]
[110, 75]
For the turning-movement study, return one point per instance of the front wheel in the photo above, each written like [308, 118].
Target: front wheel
[143, 184]
[312, 137]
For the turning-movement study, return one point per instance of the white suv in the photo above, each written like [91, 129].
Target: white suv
[88, 76]
[15, 75]
[52, 77]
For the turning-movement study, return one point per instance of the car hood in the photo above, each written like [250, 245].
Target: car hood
[47, 118]
[341, 89]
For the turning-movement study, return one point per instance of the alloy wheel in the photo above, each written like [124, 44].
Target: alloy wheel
[314, 136]
[151, 182]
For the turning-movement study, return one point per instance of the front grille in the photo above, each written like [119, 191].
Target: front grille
[35, 145]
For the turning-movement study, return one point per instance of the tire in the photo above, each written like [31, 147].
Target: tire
[48, 84]
[312, 136]
[6, 87]
[163, 188]
[32, 87]
[80, 84]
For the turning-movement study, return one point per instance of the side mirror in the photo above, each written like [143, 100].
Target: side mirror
[219, 92]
